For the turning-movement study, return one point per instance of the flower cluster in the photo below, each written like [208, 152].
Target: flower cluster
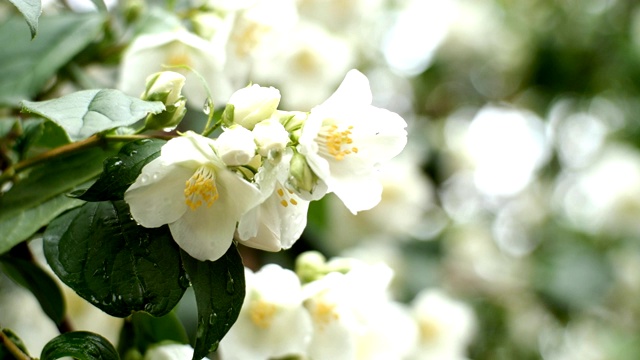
[341, 309]
[256, 179]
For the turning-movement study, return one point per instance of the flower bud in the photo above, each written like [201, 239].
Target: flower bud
[236, 146]
[270, 137]
[165, 86]
[310, 266]
[254, 104]
[302, 177]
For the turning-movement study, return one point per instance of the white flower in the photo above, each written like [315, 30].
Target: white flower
[169, 352]
[148, 54]
[254, 104]
[446, 326]
[235, 146]
[270, 137]
[305, 63]
[272, 322]
[190, 188]
[281, 218]
[344, 139]
[354, 318]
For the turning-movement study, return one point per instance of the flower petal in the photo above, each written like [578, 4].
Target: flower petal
[204, 233]
[358, 193]
[189, 150]
[354, 90]
[157, 196]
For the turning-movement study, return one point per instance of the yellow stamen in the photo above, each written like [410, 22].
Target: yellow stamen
[262, 313]
[201, 188]
[323, 313]
[286, 197]
[333, 142]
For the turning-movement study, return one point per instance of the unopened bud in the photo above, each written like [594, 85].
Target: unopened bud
[235, 146]
[310, 266]
[270, 137]
[165, 86]
[254, 104]
[302, 177]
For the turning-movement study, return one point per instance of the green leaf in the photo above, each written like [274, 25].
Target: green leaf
[219, 287]
[39, 198]
[140, 331]
[21, 225]
[81, 345]
[39, 282]
[31, 10]
[122, 170]
[40, 135]
[115, 264]
[27, 66]
[12, 337]
[84, 113]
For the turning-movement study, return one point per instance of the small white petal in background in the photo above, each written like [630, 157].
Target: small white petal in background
[446, 326]
[506, 146]
[272, 323]
[604, 196]
[306, 64]
[419, 29]
[148, 53]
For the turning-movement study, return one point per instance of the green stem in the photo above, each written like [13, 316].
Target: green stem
[12, 347]
[94, 140]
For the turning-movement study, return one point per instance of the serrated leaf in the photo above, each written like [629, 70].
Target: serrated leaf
[219, 287]
[36, 200]
[84, 113]
[122, 170]
[27, 66]
[81, 345]
[115, 264]
[31, 10]
[39, 282]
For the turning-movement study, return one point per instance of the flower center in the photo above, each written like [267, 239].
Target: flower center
[335, 143]
[285, 197]
[262, 313]
[323, 313]
[201, 188]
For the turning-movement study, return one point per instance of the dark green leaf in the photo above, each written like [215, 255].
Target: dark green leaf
[81, 345]
[84, 113]
[122, 170]
[13, 338]
[219, 288]
[31, 10]
[28, 65]
[38, 281]
[142, 330]
[115, 264]
[36, 200]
